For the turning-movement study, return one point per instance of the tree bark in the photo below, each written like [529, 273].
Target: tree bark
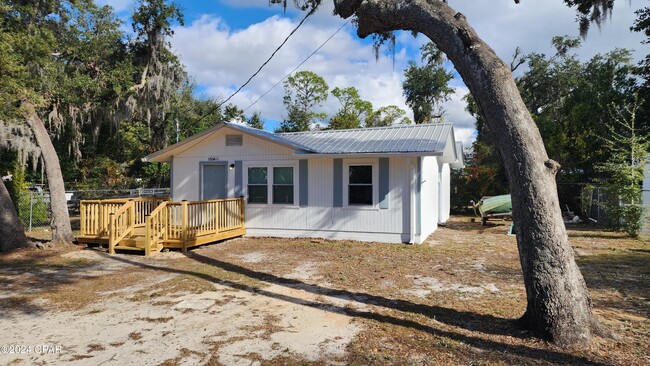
[558, 303]
[12, 232]
[60, 224]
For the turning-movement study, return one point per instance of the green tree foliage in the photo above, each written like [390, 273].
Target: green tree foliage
[642, 24]
[387, 116]
[622, 173]
[303, 92]
[353, 111]
[569, 101]
[233, 113]
[160, 74]
[256, 121]
[426, 87]
[484, 173]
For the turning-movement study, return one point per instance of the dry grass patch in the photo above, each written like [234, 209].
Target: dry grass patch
[79, 294]
[455, 299]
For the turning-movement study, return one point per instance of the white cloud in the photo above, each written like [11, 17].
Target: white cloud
[221, 58]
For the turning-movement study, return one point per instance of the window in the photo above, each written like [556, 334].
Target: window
[257, 185]
[271, 184]
[283, 185]
[360, 190]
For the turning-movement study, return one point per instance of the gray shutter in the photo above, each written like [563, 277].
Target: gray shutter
[171, 179]
[384, 188]
[303, 182]
[239, 177]
[337, 174]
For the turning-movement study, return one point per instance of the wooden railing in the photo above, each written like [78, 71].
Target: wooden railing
[95, 214]
[121, 223]
[156, 226]
[176, 224]
[188, 220]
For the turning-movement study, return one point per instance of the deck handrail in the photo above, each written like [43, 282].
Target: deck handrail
[155, 228]
[121, 224]
[95, 214]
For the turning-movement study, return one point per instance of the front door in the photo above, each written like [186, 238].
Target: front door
[213, 181]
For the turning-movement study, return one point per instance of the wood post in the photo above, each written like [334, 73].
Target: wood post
[132, 214]
[111, 234]
[241, 211]
[184, 224]
[147, 235]
[100, 220]
[82, 213]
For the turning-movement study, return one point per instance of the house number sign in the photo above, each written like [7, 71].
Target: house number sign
[213, 158]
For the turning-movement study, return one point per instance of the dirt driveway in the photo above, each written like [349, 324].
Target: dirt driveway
[272, 301]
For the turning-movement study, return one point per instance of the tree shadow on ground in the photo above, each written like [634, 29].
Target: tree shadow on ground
[466, 320]
[22, 276]
[626, 272]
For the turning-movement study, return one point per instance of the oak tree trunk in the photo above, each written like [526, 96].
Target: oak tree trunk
[12, 232]
[61, 229]
[558, 303]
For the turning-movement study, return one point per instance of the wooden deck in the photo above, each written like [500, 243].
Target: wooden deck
[149, 224]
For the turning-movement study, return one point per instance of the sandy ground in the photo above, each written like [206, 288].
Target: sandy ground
[180, 328]
[264, 301]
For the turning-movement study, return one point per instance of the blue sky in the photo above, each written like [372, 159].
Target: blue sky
[224, 41]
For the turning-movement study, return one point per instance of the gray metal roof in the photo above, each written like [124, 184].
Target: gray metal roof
[419, 139]
[392, 139]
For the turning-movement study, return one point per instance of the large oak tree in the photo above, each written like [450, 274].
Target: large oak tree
[558, 303]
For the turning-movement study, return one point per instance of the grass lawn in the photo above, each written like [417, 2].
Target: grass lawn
[452, 300]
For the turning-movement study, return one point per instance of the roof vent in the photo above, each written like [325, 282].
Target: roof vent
[233, 140]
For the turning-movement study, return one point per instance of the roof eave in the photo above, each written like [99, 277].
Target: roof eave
[368, 155]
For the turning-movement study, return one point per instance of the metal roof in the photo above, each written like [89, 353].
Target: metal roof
[393, 139]
[415, 139]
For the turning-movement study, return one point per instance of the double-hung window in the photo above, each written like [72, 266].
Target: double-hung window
[283, 185]
[360, 189]
[258, 185]
[271, 184]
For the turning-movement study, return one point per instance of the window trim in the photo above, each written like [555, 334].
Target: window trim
[374, 163]
[269, 165]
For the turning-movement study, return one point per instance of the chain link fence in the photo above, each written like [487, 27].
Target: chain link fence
[34, 209]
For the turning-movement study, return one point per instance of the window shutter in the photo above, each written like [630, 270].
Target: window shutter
[337, 174]
[384, 188]
[303, 182]
[239, 172]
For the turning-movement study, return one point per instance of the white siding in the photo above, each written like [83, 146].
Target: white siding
[186, 164]
[319, 218]
[445, 193]
[429, 206]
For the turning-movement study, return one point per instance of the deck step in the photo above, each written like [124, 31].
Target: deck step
[136, 241]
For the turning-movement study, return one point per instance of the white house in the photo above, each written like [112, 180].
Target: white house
[387, 184]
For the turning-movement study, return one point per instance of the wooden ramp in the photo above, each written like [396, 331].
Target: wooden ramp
[149, 224]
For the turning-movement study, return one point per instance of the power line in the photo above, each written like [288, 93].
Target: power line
[312, 11]
[296, 68]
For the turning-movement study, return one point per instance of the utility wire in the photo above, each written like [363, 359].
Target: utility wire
[312, 11]
[296, 68]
